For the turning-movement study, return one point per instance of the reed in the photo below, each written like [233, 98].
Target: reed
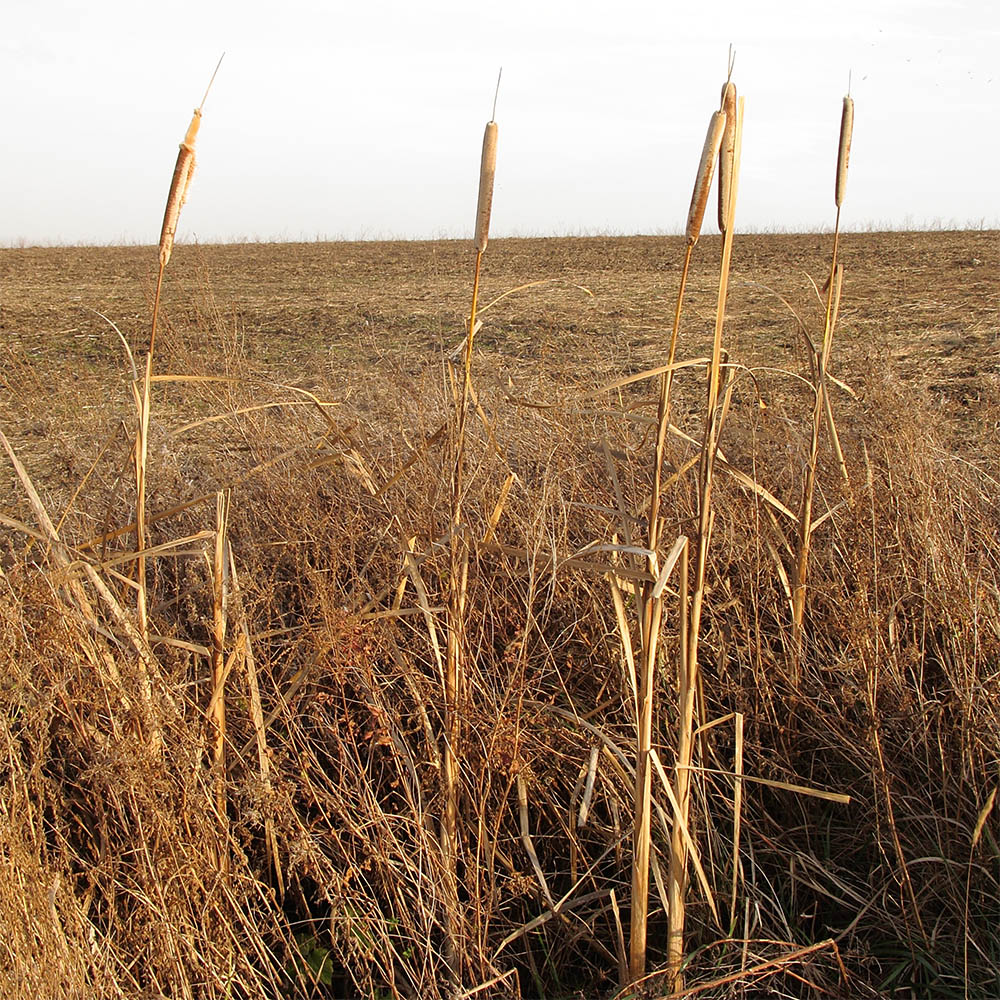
[458, 576]
[689, 678]
[180, 184]
[695, 218]
[820, 358]
[651, 601]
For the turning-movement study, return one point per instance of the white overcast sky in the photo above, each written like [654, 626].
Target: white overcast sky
[364, 119]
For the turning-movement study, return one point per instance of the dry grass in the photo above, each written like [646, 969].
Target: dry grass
[301, 856]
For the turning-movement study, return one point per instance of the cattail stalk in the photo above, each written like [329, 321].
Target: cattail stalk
[820, 405]
[180, 184]
[651, 608]
[484, 208]
[677, 874]
[458, 582]
[696, 215]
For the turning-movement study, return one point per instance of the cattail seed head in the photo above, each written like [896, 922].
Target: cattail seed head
[846, 128]
[183, 169]
[487, 171]
[179, 185]
[703, 182]
[727, 154]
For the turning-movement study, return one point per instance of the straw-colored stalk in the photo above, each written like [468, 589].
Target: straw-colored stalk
[142, 400]
[652, 609]
[219, 564]
[820, 405]
[220, 608]
[180, 184]
[458, 580]
[714, 416]
[650, 606]
[696, 216]
[831, 426]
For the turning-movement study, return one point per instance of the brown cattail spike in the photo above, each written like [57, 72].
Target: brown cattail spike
[846, 128]
[699, 199]
[726, 154]
[179, 185]
[181, 181]
[487, 171]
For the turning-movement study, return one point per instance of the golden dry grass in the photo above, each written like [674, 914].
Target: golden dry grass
[127, 874]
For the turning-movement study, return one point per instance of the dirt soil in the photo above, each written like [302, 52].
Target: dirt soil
[327, 316]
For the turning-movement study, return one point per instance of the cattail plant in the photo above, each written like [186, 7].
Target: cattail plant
[179, 186]
[651, 603]
[688, 679]
[696, 216]
[820, 360]
[484, 207]
[459, 571]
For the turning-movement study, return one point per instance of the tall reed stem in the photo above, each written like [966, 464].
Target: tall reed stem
[650, 602]
[458, 579]
[688, 681]
[651, 611]
[458, 576]
[180, 182]
[820, 405]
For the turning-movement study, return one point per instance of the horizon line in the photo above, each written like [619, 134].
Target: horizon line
[872, 229]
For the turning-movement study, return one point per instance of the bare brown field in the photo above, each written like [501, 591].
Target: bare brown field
[922, 306]
[842, 819]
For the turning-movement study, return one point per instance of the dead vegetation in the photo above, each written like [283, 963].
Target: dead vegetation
[125, 874]
[421, 686]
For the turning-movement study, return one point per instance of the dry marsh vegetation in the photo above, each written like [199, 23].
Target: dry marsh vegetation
[453, 658]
